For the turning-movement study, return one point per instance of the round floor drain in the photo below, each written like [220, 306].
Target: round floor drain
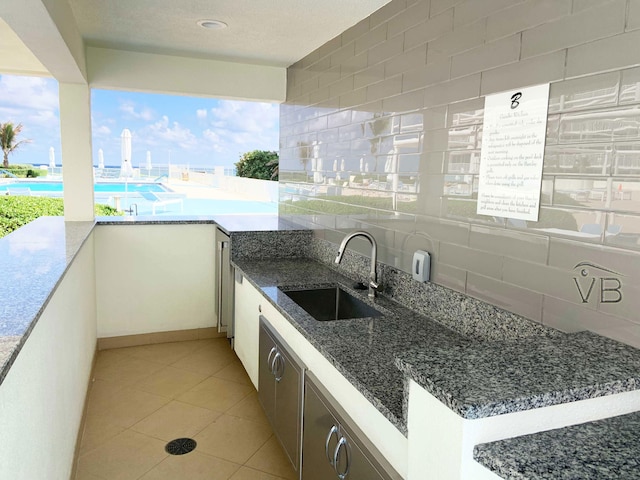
[180, 446]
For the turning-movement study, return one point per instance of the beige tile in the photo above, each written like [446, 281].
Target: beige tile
[246, 473]
[192, 466]
[176, 420]
[272, 459]
[126, 456]
[97, 430]
[234, 372]
[170, 382]
[84, 475]
[126, 371]
[232, 438]
[165, 353]
[249, 408]
[102, 393]
[207, 360]
[216, 394]
[129, 407]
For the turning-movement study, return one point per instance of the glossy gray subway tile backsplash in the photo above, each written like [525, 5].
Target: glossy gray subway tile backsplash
[382, 129]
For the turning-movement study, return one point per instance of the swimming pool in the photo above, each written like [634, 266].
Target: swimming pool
[100, 187]
[111, 192]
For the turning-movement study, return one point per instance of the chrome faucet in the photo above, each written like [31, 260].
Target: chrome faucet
[373, 277]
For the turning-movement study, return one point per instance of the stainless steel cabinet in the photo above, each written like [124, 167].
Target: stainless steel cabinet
[332, 447]
[280, 380]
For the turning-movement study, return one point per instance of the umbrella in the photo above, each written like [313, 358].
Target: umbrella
[100, 159]
[125, 168]
[148, 160]
[52, 158]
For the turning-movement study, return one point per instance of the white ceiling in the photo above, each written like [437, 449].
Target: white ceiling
[266, 32]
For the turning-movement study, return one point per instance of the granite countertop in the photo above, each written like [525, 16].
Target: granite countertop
[362, 349]
[474, 378]
[601, 450]
[33, 261]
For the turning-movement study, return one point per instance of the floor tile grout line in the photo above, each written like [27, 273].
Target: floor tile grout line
[133, 385]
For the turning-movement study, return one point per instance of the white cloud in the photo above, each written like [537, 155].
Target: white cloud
[167, 135]
[32, 101]
[245, 116]
[129, 109]
[237, 127]
[201, 113]
[101, 131]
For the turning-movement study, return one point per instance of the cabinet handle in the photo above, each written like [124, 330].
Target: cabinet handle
[279, 373]
[273, 350]
[273, 363]
[333, 431]
[336, 458]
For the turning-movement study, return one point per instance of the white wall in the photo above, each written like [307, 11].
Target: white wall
[42, 397]
[154, 278]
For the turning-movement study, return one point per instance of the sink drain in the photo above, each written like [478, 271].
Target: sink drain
[180, 446]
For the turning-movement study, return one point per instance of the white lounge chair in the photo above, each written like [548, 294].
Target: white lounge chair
[157, 201]
[23, 191]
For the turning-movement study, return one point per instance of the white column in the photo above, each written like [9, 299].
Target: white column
[77, 164]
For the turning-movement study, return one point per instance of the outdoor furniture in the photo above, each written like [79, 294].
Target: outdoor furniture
[23, 191]
[157, 201]
[592, 229]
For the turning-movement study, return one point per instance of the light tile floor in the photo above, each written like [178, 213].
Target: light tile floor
[143, 397]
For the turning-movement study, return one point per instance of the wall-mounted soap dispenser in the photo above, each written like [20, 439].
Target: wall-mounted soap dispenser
[421, 266]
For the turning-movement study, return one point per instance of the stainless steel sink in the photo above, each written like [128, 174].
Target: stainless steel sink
[331, 303]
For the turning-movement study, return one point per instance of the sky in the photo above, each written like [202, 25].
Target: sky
[194, 131]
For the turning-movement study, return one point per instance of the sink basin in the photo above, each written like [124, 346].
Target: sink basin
[331, 303]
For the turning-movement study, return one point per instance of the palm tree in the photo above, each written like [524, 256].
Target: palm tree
[8, 134]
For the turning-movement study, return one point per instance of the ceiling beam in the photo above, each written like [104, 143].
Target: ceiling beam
[147, 72]
[48, 30]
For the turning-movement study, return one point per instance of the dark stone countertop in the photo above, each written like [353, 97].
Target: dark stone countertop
[472, 377]
[602, 450]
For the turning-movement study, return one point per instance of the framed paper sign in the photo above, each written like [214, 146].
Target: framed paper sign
[515, 127]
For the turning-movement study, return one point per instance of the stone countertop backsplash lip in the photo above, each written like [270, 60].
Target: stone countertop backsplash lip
[475, 378]
[601, 450]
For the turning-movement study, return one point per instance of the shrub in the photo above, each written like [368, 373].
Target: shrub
[259, 164]
[24, 171]
[16, 211]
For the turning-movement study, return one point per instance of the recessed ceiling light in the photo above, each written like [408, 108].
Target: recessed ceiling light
[212, 24]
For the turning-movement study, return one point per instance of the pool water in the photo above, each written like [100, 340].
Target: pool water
[106, 192]
[101, 187]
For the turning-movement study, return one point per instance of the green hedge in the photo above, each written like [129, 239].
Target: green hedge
[16, 211]
[25, 171]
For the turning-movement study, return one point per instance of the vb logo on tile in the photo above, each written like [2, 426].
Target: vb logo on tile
[590, 277]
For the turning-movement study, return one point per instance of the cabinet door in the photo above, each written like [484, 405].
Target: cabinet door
[288, 381]
[321, 434]
[266, 379]
[352, 463]
[246, 328]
